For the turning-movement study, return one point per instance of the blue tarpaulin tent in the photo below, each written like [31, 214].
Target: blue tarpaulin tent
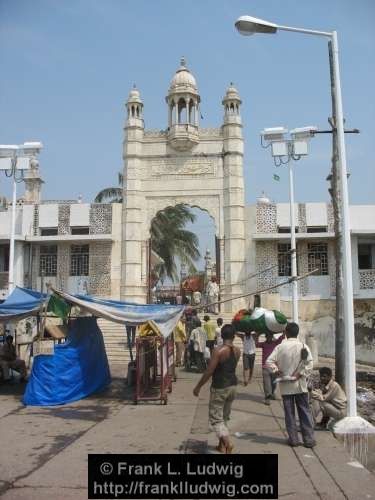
[21, 303]
[79, 367]
[76, 369]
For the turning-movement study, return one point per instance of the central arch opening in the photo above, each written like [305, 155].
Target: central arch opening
[183, 256]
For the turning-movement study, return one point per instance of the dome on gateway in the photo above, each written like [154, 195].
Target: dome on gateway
[183, 79]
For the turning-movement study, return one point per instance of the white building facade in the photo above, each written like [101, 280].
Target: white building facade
[104, 249]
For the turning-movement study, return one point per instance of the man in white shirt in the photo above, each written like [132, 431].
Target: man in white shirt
[248, 355]
[292, 362]
[212, 292]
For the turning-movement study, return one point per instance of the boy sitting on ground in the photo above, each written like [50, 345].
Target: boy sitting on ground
[330, 400]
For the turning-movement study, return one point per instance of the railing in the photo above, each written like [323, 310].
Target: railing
[366, 279]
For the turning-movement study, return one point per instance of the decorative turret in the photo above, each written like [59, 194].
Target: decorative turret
[33, 182]
[134, 107]
[183, 110]
[232, 103]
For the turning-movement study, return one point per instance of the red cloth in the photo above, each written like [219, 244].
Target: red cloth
[268, 347]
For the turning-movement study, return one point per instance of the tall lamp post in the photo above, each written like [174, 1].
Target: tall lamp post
[284, 151]
[14, 159]
[247, 25]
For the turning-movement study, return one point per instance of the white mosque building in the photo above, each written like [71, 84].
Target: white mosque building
[103, 249]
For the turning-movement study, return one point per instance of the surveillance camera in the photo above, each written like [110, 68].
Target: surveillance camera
[32, 147]
[274, 134]
[303, 132]
[301, 138]
[7, 150]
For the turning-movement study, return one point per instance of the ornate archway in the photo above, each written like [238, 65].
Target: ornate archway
[184, 164]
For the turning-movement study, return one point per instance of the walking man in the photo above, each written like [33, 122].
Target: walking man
[197, 346]
[219, 340]
[212, 292]
[179, 335]
[292, 362]
[222, 369]
[210, 329]
[269, 384]
[248, 356]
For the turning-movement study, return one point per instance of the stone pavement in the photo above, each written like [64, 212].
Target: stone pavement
[43, 451]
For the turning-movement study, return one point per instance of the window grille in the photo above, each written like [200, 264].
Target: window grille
[365, 253]
[48, 260]
[79, 260]
[317, 258]
[284, 259]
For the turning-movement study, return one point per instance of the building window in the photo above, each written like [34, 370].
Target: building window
[80, 230]
[4, 258]
[284, 259]
[286, 229]
[48, 260]
[79, 260]
[317, 258]
[365, 260]
[48, 231]
[316, 229]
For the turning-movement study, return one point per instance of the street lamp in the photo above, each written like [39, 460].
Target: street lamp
[247, 25]
[285, 150]
[13, 159]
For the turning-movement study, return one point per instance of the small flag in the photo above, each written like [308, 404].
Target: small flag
[58, 306]
[276, 177]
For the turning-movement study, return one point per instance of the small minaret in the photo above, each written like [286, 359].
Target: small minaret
[134, 106]
[234, 217]
[33, 183]
[132, 285]
[183, 110]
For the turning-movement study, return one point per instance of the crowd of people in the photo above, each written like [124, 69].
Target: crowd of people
[286, 362]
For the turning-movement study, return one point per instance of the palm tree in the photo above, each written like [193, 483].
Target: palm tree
[169, 239]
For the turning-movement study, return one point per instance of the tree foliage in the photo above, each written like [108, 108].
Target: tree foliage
[170, 240]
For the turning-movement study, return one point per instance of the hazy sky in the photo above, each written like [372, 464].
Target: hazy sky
[68, 65]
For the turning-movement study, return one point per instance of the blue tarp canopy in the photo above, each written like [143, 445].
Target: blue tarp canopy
[76, 369]
[21, 303]
[164, 317]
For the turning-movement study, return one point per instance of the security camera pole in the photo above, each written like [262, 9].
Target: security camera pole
[15, 158]
[284, 151]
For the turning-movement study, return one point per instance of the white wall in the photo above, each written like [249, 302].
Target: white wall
[362, 218]
[48, 215]
[316, 214]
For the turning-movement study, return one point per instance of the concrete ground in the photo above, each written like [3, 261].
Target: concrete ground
[43, 451]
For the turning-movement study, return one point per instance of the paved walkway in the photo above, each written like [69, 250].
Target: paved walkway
[43, 451]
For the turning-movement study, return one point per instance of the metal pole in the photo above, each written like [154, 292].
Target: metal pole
[347, 261]
[293, 245]
[13, 227]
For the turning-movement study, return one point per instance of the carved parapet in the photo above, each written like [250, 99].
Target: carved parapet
[183, 137]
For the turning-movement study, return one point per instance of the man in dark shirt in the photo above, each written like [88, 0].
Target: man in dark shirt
[222, 369]
[8, 359]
